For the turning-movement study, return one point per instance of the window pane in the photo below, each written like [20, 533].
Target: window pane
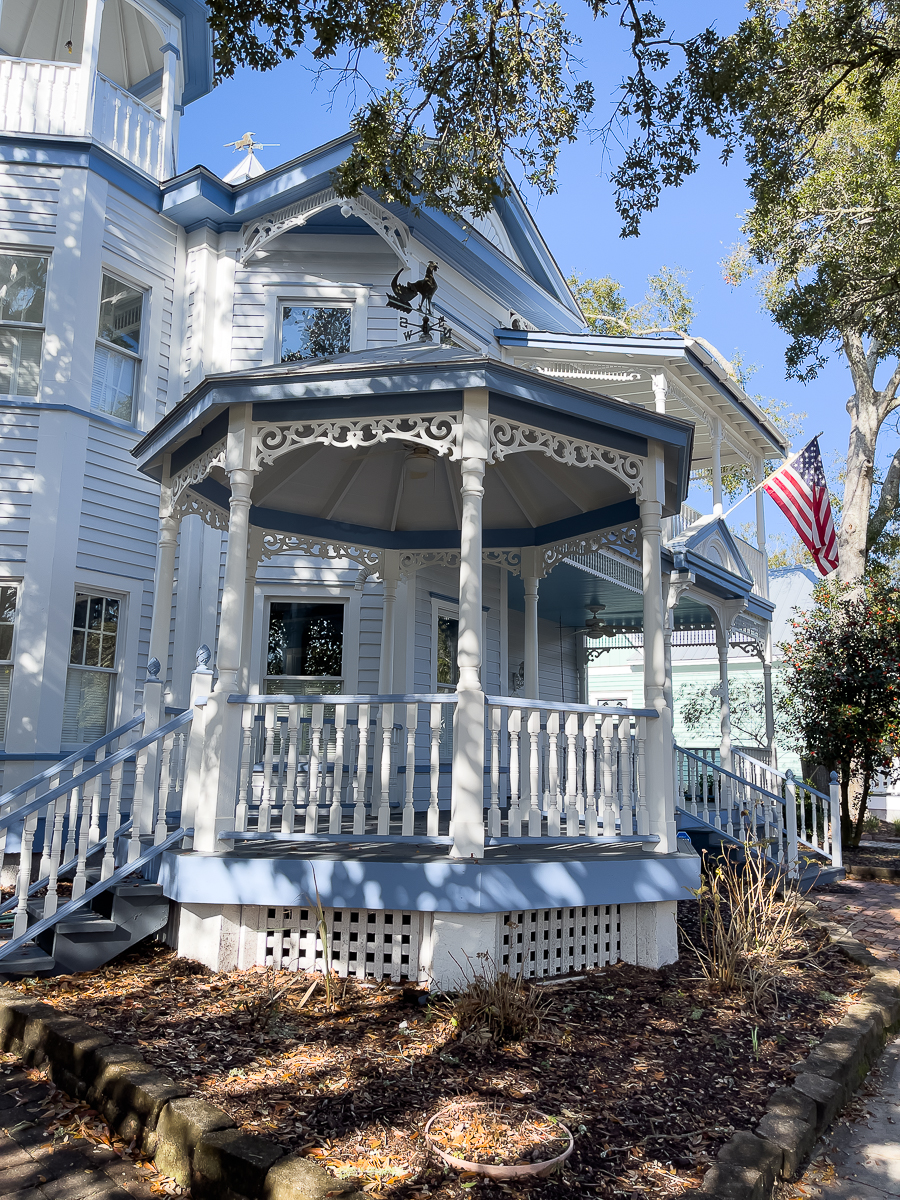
[448, 642]
[81, 607]
[20, 361]
[112, 390]
[107, 650]
[94, 626]
[77, 654]
[8, 597]
[95, 612]
[92, 650]
[305, 639]
[314, 332]
[5, 682]
[86, 707]
[120, 314]
[6, 632]
[111, 620]
[23, 284]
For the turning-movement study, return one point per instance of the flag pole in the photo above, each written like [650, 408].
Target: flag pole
[787, 462]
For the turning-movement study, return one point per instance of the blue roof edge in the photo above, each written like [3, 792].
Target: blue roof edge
[199, 72]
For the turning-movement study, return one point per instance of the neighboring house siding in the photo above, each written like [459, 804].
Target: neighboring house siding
[18, 446]
[29, 198]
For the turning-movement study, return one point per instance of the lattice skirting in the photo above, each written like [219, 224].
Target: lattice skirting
[398, 945]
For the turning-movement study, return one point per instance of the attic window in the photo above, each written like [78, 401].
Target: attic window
[314, 331]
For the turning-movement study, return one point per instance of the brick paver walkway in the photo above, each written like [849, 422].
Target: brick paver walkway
[35, 1167]
[859, 1157]
[870, 910]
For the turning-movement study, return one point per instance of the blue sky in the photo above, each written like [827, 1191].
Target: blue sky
[692, 228]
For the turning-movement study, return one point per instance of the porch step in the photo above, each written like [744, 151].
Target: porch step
[29, 961]
[89, 922]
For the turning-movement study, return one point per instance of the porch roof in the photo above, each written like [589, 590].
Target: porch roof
[532, 498]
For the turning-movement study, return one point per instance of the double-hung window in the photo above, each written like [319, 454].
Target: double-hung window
[314, 331]
[117, 354]
[9, 595]
[23, 287]
[305, 648]
[93, 668]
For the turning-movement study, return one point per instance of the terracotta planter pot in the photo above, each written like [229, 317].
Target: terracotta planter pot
[496, 1170]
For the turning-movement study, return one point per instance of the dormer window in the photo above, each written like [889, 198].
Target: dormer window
[314, 331]
[23, 286]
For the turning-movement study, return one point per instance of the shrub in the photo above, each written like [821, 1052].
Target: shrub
[493, 1006]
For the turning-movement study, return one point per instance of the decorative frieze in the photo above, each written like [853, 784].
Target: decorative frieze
[197, 470]
[624, 539]
[291, 543]
[508, 437]
[189, 504]
[439, 432]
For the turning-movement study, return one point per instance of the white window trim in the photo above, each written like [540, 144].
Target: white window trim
[10, 662]
[266, 594]
[151, 283]
[138, 399]
[114, 716]
[38, 251]
[315, 294]
[445, 608]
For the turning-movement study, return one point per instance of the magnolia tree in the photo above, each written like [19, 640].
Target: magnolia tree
[698, 706]
[842, 686]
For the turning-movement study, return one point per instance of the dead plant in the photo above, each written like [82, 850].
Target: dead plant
[493, 1006]
[749, 926]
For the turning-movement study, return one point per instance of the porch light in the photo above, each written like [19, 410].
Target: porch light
[420, 464]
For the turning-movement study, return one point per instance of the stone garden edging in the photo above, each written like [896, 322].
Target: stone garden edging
[189, 1140]
[749, 1165]
[880, 874]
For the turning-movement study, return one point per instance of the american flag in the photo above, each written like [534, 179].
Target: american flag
[800, 490]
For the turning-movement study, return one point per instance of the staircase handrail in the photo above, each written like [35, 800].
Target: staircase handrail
[731, 775]
[96, 889]
[338, 698]
[780, 774]
[64, 868]
[95, 769]
[64, 765]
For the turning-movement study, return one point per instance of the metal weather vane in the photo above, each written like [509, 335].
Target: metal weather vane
[247, 143]
[401, 297]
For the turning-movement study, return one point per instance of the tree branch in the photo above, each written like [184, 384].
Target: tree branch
[888, 502]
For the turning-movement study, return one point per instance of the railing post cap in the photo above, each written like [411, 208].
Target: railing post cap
[789, 773]
[834, 777]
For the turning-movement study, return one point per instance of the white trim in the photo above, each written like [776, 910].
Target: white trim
[265, 593]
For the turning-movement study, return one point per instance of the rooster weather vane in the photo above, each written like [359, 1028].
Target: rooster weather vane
[401, 297]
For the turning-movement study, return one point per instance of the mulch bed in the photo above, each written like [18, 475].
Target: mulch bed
[873, 856]
[651, 1070]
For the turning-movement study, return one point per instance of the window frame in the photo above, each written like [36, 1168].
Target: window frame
[97, 590]
[33, 327]
[441, 607]
[270, 598]
[309, 295]
[137, 357]
[10, 662]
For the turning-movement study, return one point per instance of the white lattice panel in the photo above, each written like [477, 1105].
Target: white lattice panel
[361, 942]
[557, 940]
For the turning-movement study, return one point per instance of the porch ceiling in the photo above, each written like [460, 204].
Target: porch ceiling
[392, 494]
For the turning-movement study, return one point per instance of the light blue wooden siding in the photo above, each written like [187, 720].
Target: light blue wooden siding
[18, 445]
[119, 508]
[134, 232]
[29, 198]
[445, 582]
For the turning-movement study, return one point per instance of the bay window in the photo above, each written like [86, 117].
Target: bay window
[23, 288]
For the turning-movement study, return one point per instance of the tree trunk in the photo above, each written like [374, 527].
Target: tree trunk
[846, 819]
[852, 536]
[863, 805]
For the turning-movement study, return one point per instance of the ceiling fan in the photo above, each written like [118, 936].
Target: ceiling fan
[595, 626]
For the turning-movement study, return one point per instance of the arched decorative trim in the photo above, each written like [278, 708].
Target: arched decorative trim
[509, 560]
[415, 560]
[694, 408]
[508, 437]
[389, 228]
[197, 470]
[623, 539]
[190, 504]
[439, 431]
[310, 547]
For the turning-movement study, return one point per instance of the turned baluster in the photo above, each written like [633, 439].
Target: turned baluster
[384, 773]
[362, 760]
[335, 813]
[589, 729]
[494, 816]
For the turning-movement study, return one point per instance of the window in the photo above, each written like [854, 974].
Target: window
[447, 646]
[116, 356]
[306, 642]
[23, 286]
[313, 331]
[93, 665]
[8, 599]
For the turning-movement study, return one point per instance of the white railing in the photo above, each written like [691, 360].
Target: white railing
[84, 814]
[129, 127]
[758, 565]
[673, 527]
[755, 802]
[382, 765]
[571, 769]
[39, 97]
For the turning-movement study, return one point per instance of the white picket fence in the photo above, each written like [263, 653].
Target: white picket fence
[383, 765]
[756, 802]
[87, 812]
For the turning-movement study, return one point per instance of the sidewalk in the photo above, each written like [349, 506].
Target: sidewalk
[859, 1157]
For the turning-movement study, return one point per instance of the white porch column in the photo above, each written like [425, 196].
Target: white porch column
[163, 585]
[759, 473]
[716, 432]
[660, 775]
[390, 574]
[254, 554]
[768, 699]
[222, 726]
[171, 54]
[467, 789]
[722, 638]
[93, 18]
[531, 578]
[660, 387]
